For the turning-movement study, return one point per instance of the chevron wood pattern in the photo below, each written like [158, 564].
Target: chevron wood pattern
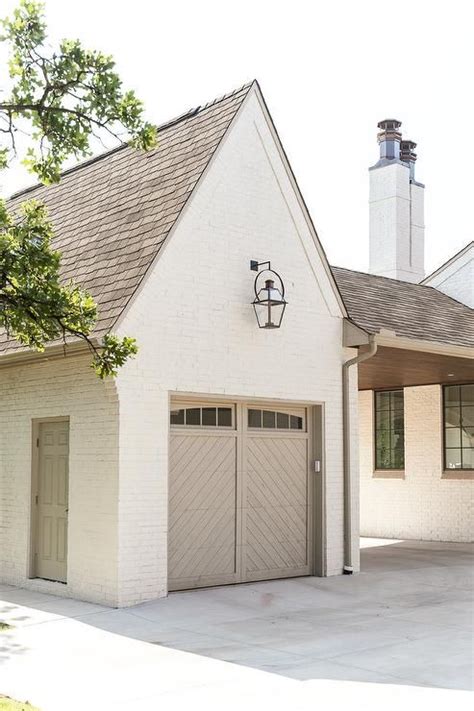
[202, 509]
[238, 505]
[277, 499]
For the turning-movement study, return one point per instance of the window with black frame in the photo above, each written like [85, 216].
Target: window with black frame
[459, 427]
[389, 430]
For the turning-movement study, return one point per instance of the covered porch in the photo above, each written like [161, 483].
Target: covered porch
[416, 443]
[398, 367]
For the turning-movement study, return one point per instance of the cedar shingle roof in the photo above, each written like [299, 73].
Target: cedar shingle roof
[410, 310]
[112, 214]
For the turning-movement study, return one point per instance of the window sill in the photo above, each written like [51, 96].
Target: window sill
[458, 474]
[388, 474]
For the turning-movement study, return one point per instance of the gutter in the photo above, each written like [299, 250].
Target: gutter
[365, 355]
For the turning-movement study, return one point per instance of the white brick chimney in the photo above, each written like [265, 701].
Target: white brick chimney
[396, 229]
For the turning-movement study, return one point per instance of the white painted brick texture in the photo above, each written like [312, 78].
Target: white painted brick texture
[396, 224]
[198, 334]
[62, 387]
[456, 279]
[423, 506]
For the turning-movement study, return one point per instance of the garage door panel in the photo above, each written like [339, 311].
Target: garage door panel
[204, 561]
[282, 522]
[276, 505]
[216, 459]
[189, 454]
[274, 474]
[202, 496]
[271, 488]
[270, 460]
[268, 529]
[238, 501]
[261, 555]
[287, 517]
[267, 551]
[209, 521]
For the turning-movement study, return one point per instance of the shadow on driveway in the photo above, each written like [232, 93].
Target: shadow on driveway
[406, 620]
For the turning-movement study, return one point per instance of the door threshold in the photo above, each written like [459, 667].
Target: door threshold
[50, 580]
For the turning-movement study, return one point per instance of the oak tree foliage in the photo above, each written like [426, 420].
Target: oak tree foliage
[61, 100]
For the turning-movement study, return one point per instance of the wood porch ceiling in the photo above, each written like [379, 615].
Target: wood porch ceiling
[397, 367]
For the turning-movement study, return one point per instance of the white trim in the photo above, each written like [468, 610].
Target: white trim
[53, 352]
[178, 397]
[426, 346]
[448, 263]
[300, 199]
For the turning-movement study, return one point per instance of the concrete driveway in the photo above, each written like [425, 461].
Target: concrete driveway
[404, 622]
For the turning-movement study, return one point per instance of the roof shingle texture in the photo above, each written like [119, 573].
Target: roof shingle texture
[111, 215]
[410, 310]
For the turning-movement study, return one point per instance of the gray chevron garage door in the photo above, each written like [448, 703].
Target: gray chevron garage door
[239, 507]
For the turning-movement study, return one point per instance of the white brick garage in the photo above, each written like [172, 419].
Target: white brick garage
[198, 338]
[35, 393]
[240, 493]
[210, 345]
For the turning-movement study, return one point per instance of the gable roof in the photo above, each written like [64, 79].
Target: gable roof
[469, 246]
[410, 310]
[113, 213]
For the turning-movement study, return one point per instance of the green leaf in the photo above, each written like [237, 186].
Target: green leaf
[62, 99]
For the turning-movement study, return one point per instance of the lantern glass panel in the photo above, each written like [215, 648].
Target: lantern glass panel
[270, 294]
[269, 315]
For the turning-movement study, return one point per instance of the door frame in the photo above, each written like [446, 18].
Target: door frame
[33, 522]
[315, 426]
[318, 490]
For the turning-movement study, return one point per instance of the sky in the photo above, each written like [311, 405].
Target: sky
[329, 72]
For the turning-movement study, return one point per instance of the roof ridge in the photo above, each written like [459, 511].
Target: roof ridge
[379, 276]
[202, 107]
[191, 113]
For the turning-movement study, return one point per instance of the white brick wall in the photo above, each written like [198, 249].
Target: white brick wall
[63, 387]
[422, 506]
[198, 334]
[396, 224]
[456, 279]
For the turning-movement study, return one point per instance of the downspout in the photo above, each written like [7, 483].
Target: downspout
[371, 351]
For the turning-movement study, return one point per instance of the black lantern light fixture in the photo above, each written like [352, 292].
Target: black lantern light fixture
[269, 303]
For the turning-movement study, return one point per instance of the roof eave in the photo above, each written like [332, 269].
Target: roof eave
[24, 356]
[354, 335]
[443, 348]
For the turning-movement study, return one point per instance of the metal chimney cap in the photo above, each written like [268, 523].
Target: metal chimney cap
[407, 145]
[407, 151]
[389, 124]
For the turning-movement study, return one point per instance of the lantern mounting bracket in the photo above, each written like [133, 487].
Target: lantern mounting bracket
[254, 265]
